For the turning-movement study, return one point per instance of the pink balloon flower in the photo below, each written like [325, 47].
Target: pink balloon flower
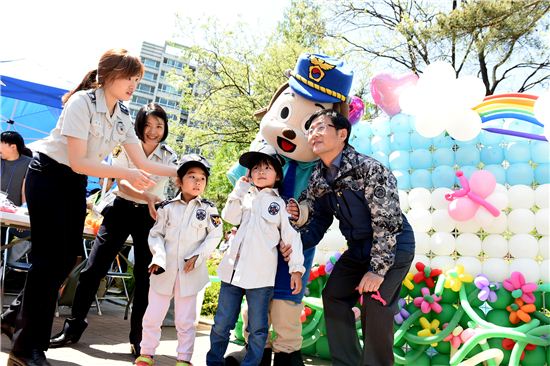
[519, 288]
[428, 302]
[458, 336]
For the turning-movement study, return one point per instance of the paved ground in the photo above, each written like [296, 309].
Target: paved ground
[105, 342]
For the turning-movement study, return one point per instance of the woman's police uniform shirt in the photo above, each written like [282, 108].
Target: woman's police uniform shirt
[163, 154]
[86, 116]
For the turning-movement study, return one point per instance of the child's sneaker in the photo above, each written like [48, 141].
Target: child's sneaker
[144, 360]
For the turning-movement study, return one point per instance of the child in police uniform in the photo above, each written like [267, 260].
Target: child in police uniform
[187, 231]
[250, 263]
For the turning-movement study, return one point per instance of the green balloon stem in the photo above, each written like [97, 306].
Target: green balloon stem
[439, 285]
[514, 334]
[427, 271]
[540, 316]
[484, 346]
[400, 333]
[439, 336]
[465, 304]
[410, 357]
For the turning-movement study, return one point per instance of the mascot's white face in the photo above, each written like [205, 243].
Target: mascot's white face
[283, 125]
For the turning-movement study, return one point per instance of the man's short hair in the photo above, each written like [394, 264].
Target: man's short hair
[339, 121]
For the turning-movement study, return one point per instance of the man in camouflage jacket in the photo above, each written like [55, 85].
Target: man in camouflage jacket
[362, 194]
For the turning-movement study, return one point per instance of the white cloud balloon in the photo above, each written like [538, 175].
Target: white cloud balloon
[441, 102]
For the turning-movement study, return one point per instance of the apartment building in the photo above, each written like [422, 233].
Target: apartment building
[159, 61]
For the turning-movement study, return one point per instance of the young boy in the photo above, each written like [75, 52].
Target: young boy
[250, 263]
[187, 231]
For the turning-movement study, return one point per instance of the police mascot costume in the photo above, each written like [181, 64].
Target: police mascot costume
[317, 82]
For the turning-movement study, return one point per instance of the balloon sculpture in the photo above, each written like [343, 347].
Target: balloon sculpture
[446, 322]
[386, 88]
[356, 109]
[466, 201]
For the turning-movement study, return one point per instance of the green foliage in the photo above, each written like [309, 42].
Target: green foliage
[211, 294]
[498, 40]
[236, 71]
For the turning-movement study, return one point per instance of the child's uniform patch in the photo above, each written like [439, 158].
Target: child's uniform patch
[200, 214]
[273, 208]
[216, 220]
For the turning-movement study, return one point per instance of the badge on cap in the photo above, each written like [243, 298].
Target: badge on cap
[318, 68]
[200, 214]
[216, 220]
[274, 208]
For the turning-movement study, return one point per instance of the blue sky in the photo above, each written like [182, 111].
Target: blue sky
[56, 42]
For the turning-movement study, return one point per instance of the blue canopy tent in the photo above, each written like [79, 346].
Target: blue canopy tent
[29, 108]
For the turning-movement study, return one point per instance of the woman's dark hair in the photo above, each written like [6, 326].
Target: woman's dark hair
[14, 138]
[276, 165]
[114, 64]
[151, 109]
[339, 121]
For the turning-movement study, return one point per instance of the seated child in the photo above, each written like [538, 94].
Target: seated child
[249, 265]
[187, 231]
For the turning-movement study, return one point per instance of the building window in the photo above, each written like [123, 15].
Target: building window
[169, 89]
[166, 102]
[173, 63]
[150, 76]
[140, 100]
[150, 63]
[146, 88]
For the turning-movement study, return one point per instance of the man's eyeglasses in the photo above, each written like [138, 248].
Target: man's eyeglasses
[321, 129]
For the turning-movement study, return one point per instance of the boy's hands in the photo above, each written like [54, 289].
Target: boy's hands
[190, 264]
[286, 250]
[296, 282]
[245, 178]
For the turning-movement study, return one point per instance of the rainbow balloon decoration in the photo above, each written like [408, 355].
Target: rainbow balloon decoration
[511, 105]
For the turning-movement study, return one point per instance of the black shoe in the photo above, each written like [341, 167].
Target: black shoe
[266, 358]
[34, 358]
[135, 349]
[72, 330]
[288, 359]
[7, 329]
[235, 358]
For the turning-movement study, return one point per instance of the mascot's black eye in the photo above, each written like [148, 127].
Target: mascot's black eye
[285, 112]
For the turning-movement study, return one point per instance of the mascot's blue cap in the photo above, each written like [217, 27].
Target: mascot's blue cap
[321, 78]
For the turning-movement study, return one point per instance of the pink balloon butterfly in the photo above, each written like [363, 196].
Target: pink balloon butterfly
[386, 88]
[466, 201]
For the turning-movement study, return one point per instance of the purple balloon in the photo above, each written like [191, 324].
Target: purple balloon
[356, 110]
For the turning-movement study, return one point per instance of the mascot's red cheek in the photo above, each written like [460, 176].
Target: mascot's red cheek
[285, 145]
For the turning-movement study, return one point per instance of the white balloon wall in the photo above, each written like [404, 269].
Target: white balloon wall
[517, 240]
